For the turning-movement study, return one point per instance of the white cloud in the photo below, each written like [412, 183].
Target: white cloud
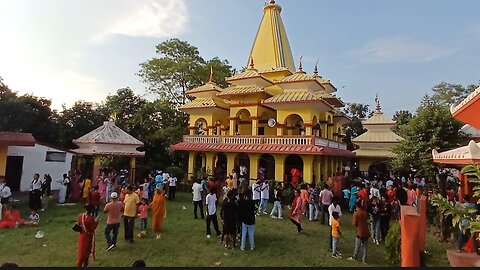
[161, 18]
[398, 49]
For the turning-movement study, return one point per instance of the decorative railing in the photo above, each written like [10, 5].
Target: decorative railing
[246, 139]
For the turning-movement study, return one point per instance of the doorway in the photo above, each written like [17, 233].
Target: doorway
[14, 172]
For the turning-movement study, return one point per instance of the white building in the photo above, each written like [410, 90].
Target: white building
[23, 162]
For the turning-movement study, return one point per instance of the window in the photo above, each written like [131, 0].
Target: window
[56, 156]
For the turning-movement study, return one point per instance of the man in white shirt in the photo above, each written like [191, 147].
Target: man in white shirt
[172, 186]
[389, 183]
[334, 207]
[374, 192]
[145, 187]
[235, 179]
[197, 199]
[165, 177]
[211, 202]
[5, 191]
[256, 194]
[35, 193]
[264, 196]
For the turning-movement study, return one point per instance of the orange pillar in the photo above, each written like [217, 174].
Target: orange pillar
[132, 170]
[422, 228]
[409, 248]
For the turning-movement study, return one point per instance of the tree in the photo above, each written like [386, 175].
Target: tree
[123, 106]
[180, 68]
[447, 93]
[432, 127]
[401, 118]
[26, 113]
[357, 112]
[77, 121]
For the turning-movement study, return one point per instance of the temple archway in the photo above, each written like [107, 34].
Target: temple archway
[293, 164]
[244, 123]
[242, 159]
[220, 166]
[294, 125]
[267, 162]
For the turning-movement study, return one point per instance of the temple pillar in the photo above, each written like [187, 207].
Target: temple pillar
[3, 159]
[280, 129]
[191, 129]
[308, 129]
[255, 125]
[323, 168]
[96, 169]
[191, 166]
[316, 169]
[253, 167]
[233, 122]
[308, 168]
[133, 169]
[324, 129]
[209, 164]
[279, 167]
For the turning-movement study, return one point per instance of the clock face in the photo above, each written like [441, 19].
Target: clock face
[271, 122]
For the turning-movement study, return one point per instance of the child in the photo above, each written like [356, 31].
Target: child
[336, 235]
[33, 219]
[143, 214]
[94, 200]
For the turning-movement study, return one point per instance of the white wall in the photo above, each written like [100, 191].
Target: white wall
[34, 162]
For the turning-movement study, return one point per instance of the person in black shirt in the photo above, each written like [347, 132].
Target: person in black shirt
[247, 215]
[228, 213]
[401, 194]
[385, 215]
[277, 201]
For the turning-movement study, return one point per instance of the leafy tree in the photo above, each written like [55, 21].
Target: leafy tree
[77, 121]
[26, 113]
[432, 127]
[447, 93]
[357, 112]
[401, 118]
[123, 106]
[180, 68]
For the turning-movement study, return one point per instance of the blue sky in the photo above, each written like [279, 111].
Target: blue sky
[72, 50]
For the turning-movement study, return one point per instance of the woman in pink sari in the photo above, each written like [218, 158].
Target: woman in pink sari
[296, 211]
[74, 189]
[101, 187]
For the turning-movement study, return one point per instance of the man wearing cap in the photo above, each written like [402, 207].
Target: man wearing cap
[114, 211]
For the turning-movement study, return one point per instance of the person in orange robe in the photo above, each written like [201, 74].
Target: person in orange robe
[159, 211]
[86, 236]
[305, 198]
[296, 211]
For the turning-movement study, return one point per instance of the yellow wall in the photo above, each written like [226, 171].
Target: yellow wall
[3, 159]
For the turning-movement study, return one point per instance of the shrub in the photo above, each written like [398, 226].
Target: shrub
[392, 245]
[177, 172]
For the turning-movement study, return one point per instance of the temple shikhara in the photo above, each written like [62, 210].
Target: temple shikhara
[375, 145]
[273, 121]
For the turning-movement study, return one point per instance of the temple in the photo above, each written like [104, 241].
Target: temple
[273, 120]
[375, 145]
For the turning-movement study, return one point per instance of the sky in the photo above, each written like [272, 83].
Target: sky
[69, 50]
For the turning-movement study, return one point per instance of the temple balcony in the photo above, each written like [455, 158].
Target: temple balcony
[264, 140]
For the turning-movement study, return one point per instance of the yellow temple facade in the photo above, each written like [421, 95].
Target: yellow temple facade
[272, 118]
[376, 144]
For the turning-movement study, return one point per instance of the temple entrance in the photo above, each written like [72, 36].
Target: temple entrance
[220, 167]
[199, 166]
[294, 125]
[244, 123]
[266, 162]
[378, 169]
[293, 169]
[242, 166]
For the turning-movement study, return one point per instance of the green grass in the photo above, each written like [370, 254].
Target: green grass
[184, 243]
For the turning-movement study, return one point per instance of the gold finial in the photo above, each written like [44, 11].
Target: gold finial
[315, 70]
[252, 66]
[377, 103]
[211, 74]
[113, 117]
[300, 68]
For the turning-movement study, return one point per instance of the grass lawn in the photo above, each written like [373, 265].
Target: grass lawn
[183, 243]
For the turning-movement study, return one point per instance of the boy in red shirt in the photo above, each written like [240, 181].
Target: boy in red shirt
[94, 200]
[143, 214]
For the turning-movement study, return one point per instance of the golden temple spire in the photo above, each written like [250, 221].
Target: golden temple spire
[271, 49]
[211, 74]
[300, 68]
[315, 69]
[251, 65]
[377, 104]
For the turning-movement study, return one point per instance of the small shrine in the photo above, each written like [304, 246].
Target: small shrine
[106, 141]
[375, 145]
